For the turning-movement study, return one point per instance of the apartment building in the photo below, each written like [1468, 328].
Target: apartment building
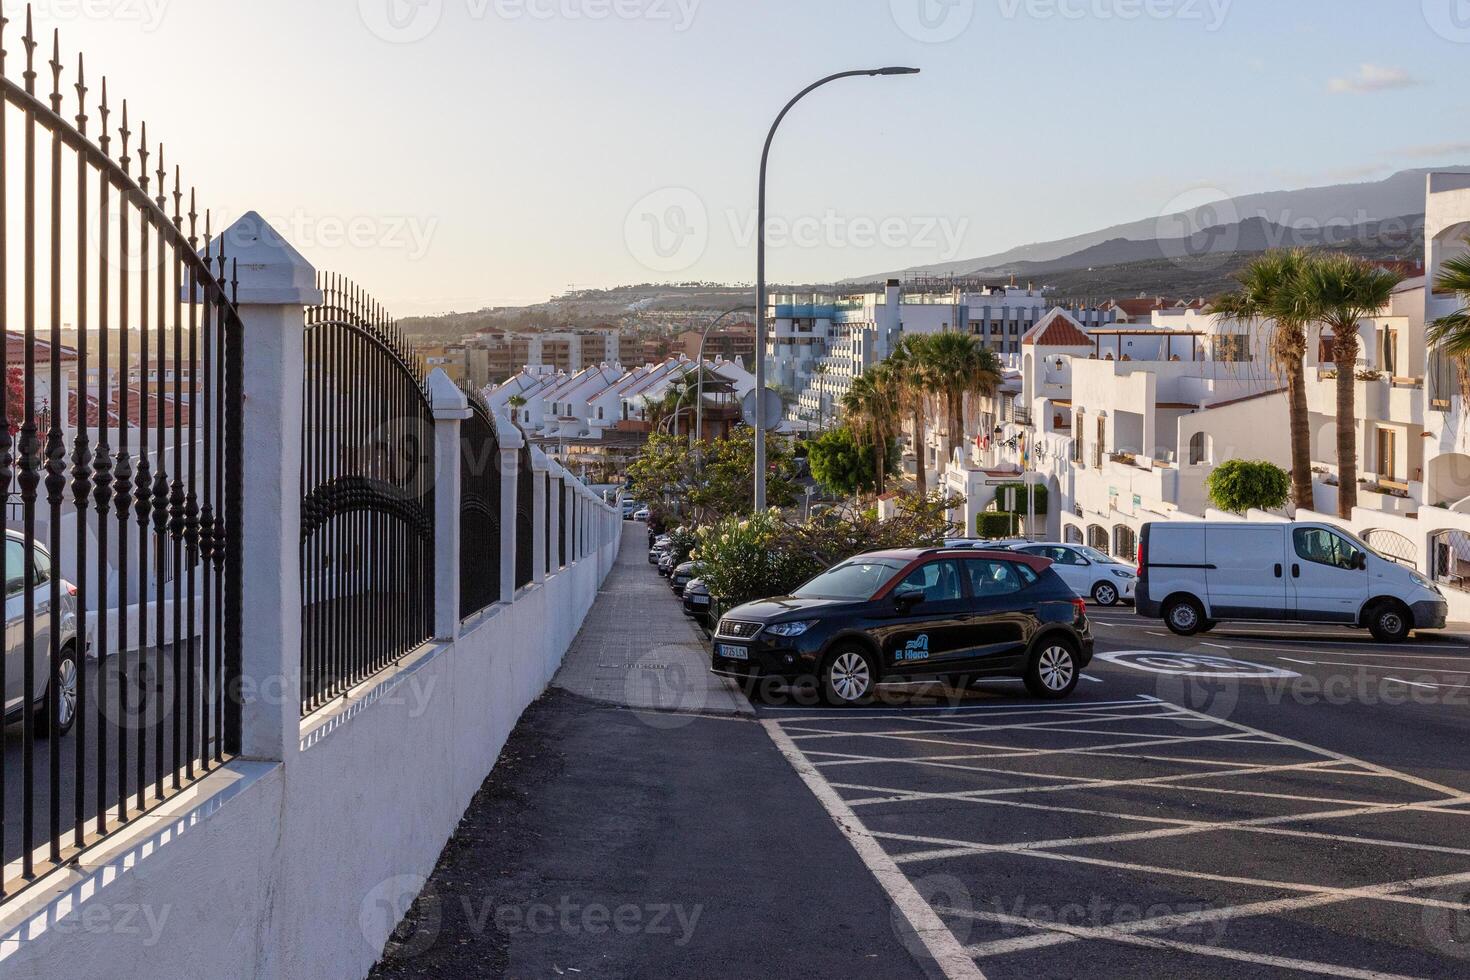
[491, 358]
[736, 343]
[1125, 423]
[817, 344]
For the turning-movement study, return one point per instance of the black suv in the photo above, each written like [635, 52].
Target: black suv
[947, 613]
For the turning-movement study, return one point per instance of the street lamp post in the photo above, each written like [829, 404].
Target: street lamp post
[760, 274]
[699, 377]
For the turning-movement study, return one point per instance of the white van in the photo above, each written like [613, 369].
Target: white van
[1193, 575]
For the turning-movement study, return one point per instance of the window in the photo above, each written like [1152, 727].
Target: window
[1322, 547]
[1065, 556]
[1199, 449]
[14, 567]
[938, 580]
[43, 565]
[852, 580]
[994, 578]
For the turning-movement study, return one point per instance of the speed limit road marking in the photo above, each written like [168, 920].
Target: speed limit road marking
[1193, 664]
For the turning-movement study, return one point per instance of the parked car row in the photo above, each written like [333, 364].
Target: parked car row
[1090, 573]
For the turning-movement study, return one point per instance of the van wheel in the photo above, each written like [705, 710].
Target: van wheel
[1184, 616]
[1390, 622]
[848, 677]
[1052, 673]
[1105, 594]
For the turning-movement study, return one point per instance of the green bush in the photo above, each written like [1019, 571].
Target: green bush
[1021, 501]
[1239, 485]
[994, 525]
[765, 555]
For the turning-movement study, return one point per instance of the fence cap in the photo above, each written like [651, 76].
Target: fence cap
[558, 471]
[446, 398]
[540, 462]
[506, 432]
[270, 271]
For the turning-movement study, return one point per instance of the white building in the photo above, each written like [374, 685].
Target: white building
[1128, 431]
[817, 344]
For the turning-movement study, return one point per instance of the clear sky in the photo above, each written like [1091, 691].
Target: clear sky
[453, 154]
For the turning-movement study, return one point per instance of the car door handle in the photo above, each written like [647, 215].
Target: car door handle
[1278, 570]
[1296, 571]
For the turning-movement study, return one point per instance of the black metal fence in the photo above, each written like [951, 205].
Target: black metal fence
[120, 459]
[479, 512]
[525, 527]
[561, 513]
[367, 485]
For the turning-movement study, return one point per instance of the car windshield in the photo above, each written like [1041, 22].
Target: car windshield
[857, 579]
[1093, 555]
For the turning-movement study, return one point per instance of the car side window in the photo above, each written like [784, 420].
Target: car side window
[15, 557]
[938, 580]
[989, 578]
[1065, 556]
[43, 565]
[1320, 546]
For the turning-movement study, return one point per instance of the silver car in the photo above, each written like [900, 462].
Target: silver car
[66, 673]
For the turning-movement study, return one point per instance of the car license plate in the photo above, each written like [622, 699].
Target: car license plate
[699, 600]
[732, 653]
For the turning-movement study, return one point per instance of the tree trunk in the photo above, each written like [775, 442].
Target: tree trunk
[1301, 440]
[1346, 357]
[880, 460]
[920, 451]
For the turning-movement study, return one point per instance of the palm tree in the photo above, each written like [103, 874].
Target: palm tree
[1451, 333]
[1337, 291]
[871, 410]
[959, 366]
[1268, 291]
[910, 367]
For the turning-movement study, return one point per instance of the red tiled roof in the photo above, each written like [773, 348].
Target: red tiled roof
[1057, 329]
[156, 403]
[15, 349]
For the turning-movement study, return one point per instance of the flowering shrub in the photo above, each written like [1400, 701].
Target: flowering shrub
[766, 555]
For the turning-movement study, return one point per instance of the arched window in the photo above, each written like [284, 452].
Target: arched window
[1125, 543]
[1072, 534]
[1199, 449]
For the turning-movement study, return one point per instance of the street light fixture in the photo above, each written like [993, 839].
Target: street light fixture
[760, 275]
[698, 430]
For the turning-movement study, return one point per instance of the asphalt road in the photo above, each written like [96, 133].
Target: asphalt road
[1258, 801]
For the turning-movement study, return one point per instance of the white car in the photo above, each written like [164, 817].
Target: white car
[642, 514]
[1197, 574]
[70, 663]
[1090, 573]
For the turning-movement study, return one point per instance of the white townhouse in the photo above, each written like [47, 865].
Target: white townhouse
[531, 385]
[1127, 431]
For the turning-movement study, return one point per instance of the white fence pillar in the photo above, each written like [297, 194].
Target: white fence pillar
[568, 512]
[538, 516]
[511, 442]
[451, 408]
[276, 284]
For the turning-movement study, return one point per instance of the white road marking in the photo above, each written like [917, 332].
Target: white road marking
[1309, 663]
[862, 714]
[1397, 680]
[1089, 677]
[1128, 933]
[951, 958]
[1217, 646]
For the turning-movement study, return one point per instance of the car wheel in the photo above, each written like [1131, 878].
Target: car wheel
[1052, 673]
[1390, 622]
[848, 677]
[1105, 594]
[67, 701]
[1184, 616]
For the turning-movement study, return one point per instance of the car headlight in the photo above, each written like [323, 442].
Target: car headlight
[1122, 573]
[790, 629]
[1420, 580]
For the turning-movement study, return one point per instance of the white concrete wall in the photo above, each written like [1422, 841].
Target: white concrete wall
[264, 870]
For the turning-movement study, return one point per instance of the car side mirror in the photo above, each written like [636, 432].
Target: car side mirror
[908, 598]
[1360, 561]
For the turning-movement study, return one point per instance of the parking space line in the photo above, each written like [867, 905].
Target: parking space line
[1328, 753]
[950, 957]
[1029, 753]
[1070, 933]
[806, 734]
[866, 714]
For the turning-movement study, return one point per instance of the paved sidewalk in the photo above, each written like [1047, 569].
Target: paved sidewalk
[639, 650]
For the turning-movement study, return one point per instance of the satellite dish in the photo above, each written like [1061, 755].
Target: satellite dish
[767, 409]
